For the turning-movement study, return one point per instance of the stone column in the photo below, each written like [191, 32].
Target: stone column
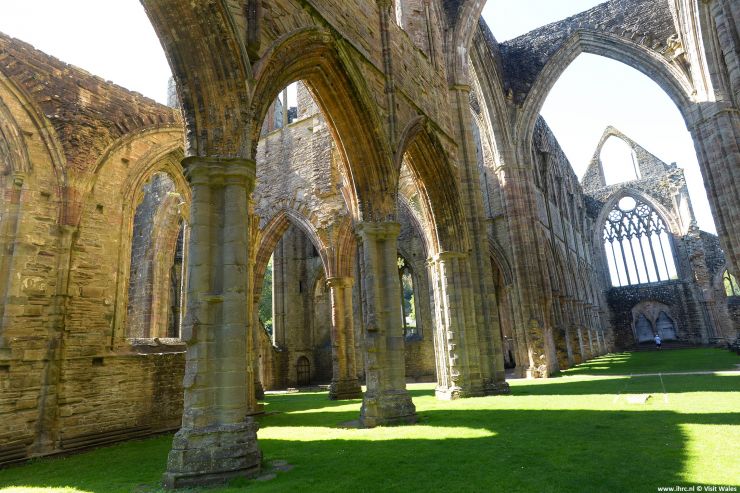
[217, 440]
[583, 337]
[344, 384]
[571, 332]
[386, 400]
[598, 329]
[560, 336]
[455, 334]
[716, 136]
[575, 345]
[490, 345]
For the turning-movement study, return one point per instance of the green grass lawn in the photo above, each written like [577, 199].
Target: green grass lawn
[574, 433]
[666, 361]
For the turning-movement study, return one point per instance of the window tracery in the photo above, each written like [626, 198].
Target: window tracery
[637, 244]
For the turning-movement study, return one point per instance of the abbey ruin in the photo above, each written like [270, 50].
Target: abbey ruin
[417, 218]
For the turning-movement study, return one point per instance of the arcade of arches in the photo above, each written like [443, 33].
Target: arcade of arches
[422, 220]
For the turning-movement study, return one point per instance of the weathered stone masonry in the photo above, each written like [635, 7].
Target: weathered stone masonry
[423, 139]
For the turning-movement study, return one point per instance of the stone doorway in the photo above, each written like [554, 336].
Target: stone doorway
[303, 371]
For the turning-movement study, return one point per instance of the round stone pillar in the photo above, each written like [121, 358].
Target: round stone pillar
[344, 383]
[217, 441]
[386, 400]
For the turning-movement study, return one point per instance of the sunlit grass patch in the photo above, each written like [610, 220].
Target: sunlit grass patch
[35, 489]
[666, 361]
[576, 432]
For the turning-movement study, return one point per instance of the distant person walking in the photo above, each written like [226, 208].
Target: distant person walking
[657, 341]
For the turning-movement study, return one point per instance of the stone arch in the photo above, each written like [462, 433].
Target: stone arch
[324, 65]
[406, 205]
[31, 122]
[651, 63]
[414, 270]
[436, 185]
[724, 273]
[271, 234]
[669, 219]
[212, 73]
[13, 149]
[341, 249]
[412, 208]
[31, 169]
[502, 262]
[155, 146]
[116, 187]
[487, 83]
[462, 21]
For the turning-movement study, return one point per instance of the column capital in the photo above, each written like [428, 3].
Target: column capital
[340, 282]
[220, 171]
[378, 230]
[459, 86]
[445, 257]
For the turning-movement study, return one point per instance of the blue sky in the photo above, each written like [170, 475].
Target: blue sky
[591, 94]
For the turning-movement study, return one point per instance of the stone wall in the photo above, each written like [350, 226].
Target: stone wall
[77, 153]
[78, 146]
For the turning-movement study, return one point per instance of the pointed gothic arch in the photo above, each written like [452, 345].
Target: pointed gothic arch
[654, 65]
[324, 64]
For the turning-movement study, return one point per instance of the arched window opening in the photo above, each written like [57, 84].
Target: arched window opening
[408, 302]
[732, 288]
[637, 244]
[157, 262]
[618, 162]
[265, 303]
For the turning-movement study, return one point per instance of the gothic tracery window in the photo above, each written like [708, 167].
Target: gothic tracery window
[732, 288]
[637, 244]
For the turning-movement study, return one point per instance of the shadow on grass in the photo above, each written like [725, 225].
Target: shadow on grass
[527, 451]
[490, 449]
[543, 451]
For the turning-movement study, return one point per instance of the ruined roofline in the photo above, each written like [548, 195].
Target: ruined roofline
[647, 23]
[87, 113]
[549, 27]
[612, 131]
[555, 148]
[7, 41]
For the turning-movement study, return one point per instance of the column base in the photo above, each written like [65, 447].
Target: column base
[456, 392]
[387, 409]
[213, 455]
[500, 388]
[537, 372]
[345, 389]
[259, 391]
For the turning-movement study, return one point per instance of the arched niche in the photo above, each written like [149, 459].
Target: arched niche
[652, 317]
